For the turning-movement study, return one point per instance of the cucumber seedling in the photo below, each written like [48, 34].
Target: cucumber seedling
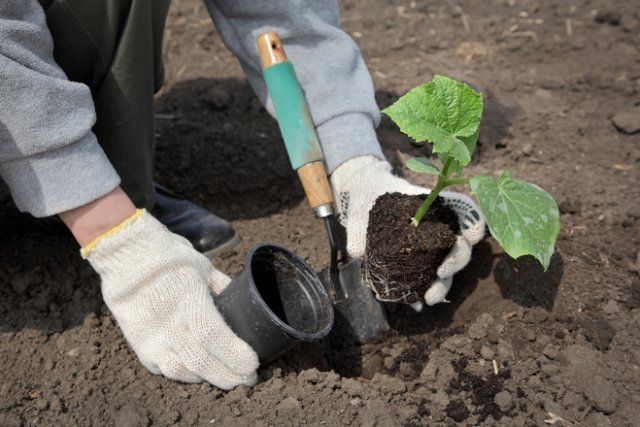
[522, 217]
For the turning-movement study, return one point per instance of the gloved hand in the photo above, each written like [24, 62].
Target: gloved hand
[358, 182]
[158, 289]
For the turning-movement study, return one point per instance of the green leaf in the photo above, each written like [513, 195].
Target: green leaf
[522, 217]
[470, 142]
[422, 165]
[444, 112]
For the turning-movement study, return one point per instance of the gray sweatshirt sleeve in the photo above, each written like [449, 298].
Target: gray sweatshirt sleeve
[49, 157]
[328, 63]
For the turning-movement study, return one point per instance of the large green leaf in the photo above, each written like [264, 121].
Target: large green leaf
[522, 217]
[444, 112]
[422, 165]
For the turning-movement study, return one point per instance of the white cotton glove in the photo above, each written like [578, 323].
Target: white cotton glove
[358, 182]
[158, 289]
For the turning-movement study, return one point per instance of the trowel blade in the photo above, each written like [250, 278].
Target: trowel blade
[359, 316]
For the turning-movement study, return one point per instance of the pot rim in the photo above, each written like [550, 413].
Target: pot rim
[298, 264]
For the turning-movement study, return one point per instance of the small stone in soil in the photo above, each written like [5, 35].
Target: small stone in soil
[628, 120]
[74, 352]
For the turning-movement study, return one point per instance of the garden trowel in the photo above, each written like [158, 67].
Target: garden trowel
[359, 316]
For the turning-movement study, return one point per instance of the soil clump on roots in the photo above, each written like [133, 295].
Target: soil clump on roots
[401, 259]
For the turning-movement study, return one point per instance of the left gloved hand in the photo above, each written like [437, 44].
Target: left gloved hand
[159, 288]
[358, 182]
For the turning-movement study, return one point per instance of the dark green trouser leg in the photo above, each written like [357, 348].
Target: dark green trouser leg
[115, 48]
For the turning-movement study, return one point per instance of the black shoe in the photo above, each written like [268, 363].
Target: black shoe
[207, 232]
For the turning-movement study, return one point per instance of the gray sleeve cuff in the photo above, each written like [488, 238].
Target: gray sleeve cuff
[55, 181]
[347, 136]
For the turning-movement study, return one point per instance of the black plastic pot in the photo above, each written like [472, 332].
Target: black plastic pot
[276, 301]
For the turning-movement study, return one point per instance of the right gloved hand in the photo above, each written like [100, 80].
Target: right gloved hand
[158, 289]
[358, 183]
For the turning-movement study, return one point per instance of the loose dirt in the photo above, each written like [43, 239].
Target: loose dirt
[565, 342]
[401, 260]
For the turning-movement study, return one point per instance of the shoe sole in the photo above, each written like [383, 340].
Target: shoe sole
[223, 248]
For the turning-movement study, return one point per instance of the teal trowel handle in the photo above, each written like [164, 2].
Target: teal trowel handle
[293, 115]
[296, 126]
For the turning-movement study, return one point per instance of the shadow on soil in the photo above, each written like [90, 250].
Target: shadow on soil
[526, 283]
[217, 146]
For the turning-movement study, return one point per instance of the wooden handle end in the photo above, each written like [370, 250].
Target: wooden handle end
[270, 49]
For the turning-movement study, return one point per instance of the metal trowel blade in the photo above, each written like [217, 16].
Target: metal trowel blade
[359, 316]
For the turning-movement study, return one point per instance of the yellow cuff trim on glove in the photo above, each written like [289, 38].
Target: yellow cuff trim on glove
[84, 251]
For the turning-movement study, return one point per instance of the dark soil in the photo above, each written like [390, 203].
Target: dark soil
[401, 260]
[457, 410]
[554, 74]
[481, 390]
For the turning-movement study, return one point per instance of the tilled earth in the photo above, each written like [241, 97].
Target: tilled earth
[516, 345]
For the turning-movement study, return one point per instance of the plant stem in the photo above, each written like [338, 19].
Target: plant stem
[459, 181]
[443, 182]
[427, 203]
[445, 168]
